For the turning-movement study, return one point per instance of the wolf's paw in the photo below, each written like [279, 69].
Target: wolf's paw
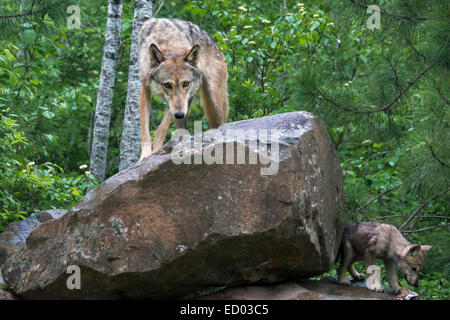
[146, 151]
[143, 156]
[345, 282]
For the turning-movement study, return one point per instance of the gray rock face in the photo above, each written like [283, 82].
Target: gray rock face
[16, 233]
[5, 295]
[160, 229]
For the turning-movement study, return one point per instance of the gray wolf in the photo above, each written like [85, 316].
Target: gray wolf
[176, 59]
[368, 241]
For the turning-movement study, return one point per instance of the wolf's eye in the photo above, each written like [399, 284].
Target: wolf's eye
[414, 269]
[186, 84]
[167, 85]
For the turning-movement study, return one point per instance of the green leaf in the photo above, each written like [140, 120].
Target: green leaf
[314, 26]
[48, 114]
[29, 36]
[188, 7]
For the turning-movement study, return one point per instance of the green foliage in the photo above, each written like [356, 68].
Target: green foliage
[28, 187]
[46, 14]
[261, 47]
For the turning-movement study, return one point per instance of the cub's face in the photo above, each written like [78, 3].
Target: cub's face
[411, 262]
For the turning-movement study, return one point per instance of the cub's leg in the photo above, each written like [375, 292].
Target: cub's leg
[346, 260]
[355, 274]
[391, 270]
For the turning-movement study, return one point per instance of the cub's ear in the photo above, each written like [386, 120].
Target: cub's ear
[413, 250]
[425, 248]
[193, 55]
[156, 56]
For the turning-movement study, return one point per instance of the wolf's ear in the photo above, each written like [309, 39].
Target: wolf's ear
[425, 248]
[193, 55]
[155, 54]
[413, 250]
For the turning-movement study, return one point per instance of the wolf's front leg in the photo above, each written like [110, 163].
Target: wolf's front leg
[144, 112]
[161, 132]
[391, 270]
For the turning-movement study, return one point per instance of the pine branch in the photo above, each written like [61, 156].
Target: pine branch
[410, 84]
[408, 41]
[433, 217]
[390, 14]
[320, 95]
[441, 95]
[422, 217]
[389, 217]
[380, 195]
[442, 163]
[427, 228]
[397, 83]
[27, 13]
[423, 206]
[324, 97]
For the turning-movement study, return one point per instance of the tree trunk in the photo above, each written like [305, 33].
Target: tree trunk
[105, 90]
[130, 146]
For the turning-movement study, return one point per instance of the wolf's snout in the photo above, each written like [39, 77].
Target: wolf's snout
[179, 115]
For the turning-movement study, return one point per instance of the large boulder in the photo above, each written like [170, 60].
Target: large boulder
[161, 229]
[16, 233]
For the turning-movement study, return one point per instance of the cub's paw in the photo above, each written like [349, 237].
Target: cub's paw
[401, 290]
[359, 277]
[345, 282]
[378, 289]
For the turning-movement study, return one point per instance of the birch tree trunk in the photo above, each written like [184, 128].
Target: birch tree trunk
[105, 90]
[130, 145]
